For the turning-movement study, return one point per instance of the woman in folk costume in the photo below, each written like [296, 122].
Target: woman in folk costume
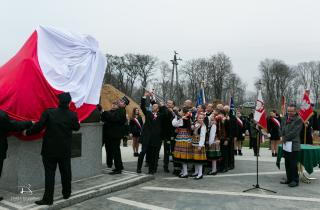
[240, 133]
[198, 145]
[183, 148]
[213, 150]
[274, 129]
[136, 124]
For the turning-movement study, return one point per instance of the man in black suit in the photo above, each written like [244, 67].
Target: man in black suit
[167, 133]
[114, 130]
[56, 146]
[151, 135]
[7, 125]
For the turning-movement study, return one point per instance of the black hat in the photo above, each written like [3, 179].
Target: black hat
[125, 100]
[64, 98]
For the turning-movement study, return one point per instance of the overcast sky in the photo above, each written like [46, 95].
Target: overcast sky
[248, 31]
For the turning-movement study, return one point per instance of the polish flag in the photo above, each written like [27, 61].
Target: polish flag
[260, 114]
[306, 110]
[49, 63]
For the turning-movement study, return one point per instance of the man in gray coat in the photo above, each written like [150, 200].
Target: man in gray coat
[291, 145]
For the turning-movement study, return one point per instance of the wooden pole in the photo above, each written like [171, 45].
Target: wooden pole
[305, 133]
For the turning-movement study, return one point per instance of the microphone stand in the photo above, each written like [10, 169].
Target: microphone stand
[257, 186]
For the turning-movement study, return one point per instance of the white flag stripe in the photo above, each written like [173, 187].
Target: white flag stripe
[71, 63]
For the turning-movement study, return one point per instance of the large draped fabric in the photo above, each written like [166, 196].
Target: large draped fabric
[51, 62]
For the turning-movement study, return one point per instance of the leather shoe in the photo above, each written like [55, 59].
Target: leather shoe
[194, 175]
[225, 170]
[42, 202]
[66, 196]
[284, 182]
[293, 184]
[139, 171]
[176, 172]
[115, 172]
[212, 173]
[1, 198]
[183, 176]
[198, 177]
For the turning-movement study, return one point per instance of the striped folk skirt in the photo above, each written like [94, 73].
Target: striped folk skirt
[213, 151]
[183, 147]
[199, 156]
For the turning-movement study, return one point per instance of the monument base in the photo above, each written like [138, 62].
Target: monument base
[23, 166]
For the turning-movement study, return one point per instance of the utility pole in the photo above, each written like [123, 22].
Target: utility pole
[174, 69]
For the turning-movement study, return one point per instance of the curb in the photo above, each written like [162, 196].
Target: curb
[99, 191]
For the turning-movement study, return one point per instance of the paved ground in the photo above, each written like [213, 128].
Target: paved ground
[223, 191]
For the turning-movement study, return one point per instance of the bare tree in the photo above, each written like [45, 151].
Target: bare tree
[276, 78]
[131, 69]
[220, 67]
[146, 65]
[165, 79]
[234, 87]
[194, 70]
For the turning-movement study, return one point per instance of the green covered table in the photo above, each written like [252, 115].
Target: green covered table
[308, 157]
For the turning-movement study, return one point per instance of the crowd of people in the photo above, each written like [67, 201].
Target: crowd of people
[204, 139]
[200, 137]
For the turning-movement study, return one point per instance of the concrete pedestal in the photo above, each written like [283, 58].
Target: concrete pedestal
[23, 165]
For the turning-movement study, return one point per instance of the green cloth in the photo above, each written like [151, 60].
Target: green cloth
[309, 156]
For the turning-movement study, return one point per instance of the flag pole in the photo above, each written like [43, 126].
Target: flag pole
[305, 133]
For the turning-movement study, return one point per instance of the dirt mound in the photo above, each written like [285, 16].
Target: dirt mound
[110, 94]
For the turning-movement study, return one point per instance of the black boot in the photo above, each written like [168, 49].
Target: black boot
[42, 202]
[239, 152]
[125, 141]
[235, 152]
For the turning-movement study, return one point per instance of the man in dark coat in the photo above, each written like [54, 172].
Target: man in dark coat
[167, 133]
[56, 146]
[114, 130]
[7, 125]
[151, 134]
[291, 145]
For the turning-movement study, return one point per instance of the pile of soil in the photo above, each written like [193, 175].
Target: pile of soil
[110, 94]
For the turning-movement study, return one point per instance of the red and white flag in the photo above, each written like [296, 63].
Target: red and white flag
[306, 110]
[51, 62]
[260, 114]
